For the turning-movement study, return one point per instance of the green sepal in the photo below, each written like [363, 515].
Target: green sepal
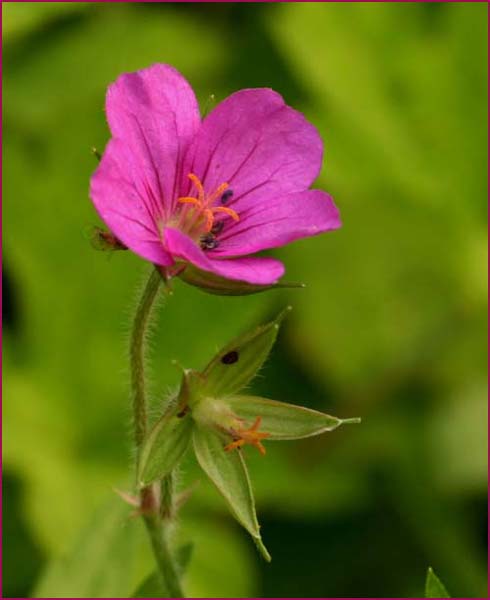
[190, 389]
[238, 362]
[220, 286]
[228, 472]
[283, 421]
[164, 447]
[434, 587]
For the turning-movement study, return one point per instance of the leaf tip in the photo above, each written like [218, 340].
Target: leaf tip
[282, 315]
[175, 363]
[350, 420]
[262, 549]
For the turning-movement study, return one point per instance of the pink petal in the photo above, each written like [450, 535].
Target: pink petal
[258, 145]
[123, 209]
[258, 270]
[279, 221]
[155, 113]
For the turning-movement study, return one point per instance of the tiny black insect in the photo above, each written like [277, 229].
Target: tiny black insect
[226, 196]
[209, 242]
[230, 357]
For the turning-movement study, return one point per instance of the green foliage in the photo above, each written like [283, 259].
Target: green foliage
[205, 411]
[237, 363]
[164, 447]
[227, 470]
[391, 325]
[103, 563]
[213, 284]
[151, 587]
[433, 586]
[282, 421]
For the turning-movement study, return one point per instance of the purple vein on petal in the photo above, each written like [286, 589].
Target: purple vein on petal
[155, 170]
[132, 219]
[132, 185]
[252, 227]
[256, 144]
[213, 152]
[178, 170]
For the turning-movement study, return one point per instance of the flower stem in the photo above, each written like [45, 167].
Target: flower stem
[168, 569]
[149, 496]
[137, 355]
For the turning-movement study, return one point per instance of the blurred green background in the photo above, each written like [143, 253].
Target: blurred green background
[391, 326]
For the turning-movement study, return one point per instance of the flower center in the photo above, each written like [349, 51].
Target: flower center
[197, 217]
[250, 435]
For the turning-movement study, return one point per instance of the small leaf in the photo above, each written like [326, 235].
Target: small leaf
[228, 472]
[184, 555]
[164, 447]
[237, 363]
[214, 284]
[102, 563]
[152, 587]
[433, 586]
[283, 421]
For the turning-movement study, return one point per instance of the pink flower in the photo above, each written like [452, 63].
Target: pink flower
[176, 189]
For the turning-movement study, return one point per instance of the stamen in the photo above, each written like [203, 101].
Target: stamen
[209, 219]
[197, 182]
[189, 200]
[228, 211]
[217, 193]
[197, 215]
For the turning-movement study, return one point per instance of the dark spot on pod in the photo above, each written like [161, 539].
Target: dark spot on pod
[209, 242]
[218, 227]
[230, 357]
[226, 196]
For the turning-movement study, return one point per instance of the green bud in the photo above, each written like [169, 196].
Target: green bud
[228, 472]
[283, 421]
[238, 362]
[164, 446]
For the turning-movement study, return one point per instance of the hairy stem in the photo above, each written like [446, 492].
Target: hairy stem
[158, 531]
[137, 355]
[149, 496]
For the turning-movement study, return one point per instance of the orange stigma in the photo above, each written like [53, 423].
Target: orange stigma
[250, 436]
[197, 216]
